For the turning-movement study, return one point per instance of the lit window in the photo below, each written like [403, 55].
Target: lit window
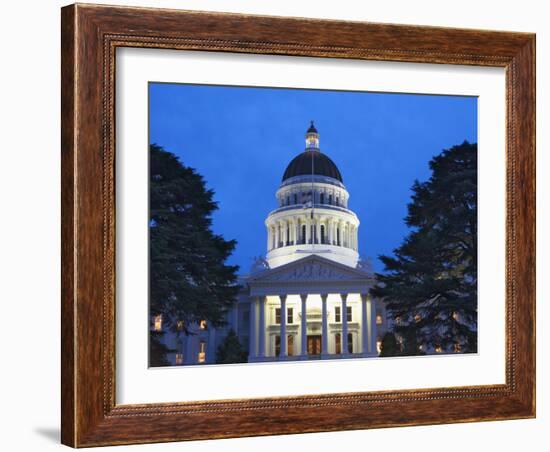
[456, 316]
[203, 325]
[290, 315]
[202, 352]
[158, 322]
[337, 316]
[438, 349]
[379, 346]
[337, 343]
[457, 348]
[378, 319]
[278, 316]
[417, 318]
[349, 313]
[179, 325]
[398, 320]
[179, 359]
[420, 347]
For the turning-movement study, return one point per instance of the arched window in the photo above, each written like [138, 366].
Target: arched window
[288, 200]
[330, 199]
[323, 233]
[336, 202]
[295, 198]
[322, 198]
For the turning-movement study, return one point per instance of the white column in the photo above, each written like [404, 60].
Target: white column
[261, 328]
[284, 340]
[324, 337]
[318, 228]
[296, 231]
[269, 238]
[252, 335]
[303, 326]
[365, 325]
[371, 310]
[344, 298]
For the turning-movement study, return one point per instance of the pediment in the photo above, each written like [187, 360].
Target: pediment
[311, 268]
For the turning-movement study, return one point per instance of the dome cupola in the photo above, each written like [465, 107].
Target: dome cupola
[312, 138]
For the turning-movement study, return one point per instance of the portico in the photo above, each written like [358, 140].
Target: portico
[321, 307]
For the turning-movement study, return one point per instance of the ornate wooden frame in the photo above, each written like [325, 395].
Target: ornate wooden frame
[90, 35]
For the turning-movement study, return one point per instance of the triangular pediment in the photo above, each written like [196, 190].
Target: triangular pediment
[311, 268]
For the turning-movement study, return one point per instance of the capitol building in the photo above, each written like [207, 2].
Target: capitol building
[310, 299]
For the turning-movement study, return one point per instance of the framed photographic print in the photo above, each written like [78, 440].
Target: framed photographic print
[267, 231]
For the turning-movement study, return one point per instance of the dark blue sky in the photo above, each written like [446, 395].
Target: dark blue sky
[241, 140]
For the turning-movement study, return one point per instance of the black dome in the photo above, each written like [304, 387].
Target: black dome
[322, 166]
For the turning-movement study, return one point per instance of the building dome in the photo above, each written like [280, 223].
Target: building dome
[312, 215]
[312, 162]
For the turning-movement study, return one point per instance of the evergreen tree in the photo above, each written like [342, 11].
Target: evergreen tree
[430, 285]
[189, 280]
[158, 350]
[231, 351]
[389, 347]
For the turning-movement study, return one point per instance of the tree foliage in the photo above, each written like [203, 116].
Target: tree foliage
[231, 350]
[189, 280]
[430, 284]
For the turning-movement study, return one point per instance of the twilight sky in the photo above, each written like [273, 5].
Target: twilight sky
[241, 140]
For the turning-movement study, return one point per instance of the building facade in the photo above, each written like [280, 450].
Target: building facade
[311, 298]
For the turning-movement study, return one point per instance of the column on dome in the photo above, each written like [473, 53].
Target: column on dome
[344, 315]
[269, 238]
[308, 229]
[329, 231]
[261, 327]
[303, 326]
[276, 226]
[324, 327]
[318, 229]
[290, 228]
[285, 232]
[284, 341]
